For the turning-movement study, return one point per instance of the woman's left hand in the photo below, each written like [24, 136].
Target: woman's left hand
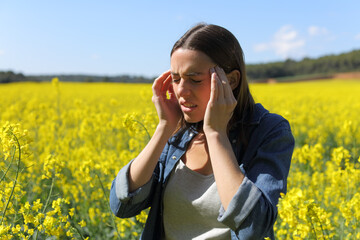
[221, 103]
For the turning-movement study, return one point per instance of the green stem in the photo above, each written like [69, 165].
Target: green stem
[111, 214]
[47, 201]
[50, 193]
[82, 237]
[149, 137]
[12, 159]
[322, 229]
[15, 181]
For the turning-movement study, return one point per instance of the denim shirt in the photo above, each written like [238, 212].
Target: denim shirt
[252, 211]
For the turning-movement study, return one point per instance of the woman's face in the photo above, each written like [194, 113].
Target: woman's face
[190, 72]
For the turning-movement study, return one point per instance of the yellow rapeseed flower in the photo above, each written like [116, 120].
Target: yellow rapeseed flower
[37, 205]
[82, 223]
[71, 212]
[16, 229]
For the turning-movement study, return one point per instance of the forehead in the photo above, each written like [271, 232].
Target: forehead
[185, 61]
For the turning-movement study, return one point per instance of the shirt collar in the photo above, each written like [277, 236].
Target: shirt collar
[258, 114]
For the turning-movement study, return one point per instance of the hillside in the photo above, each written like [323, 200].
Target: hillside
[307, 68]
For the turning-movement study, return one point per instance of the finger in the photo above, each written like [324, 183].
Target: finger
[166, 84]
[221, 73]
[220, 83]
[172, 95]
[213, 90]
[158, 83]
[220, 87]
[228, 93]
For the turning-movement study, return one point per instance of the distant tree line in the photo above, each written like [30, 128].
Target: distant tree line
[9, 76]
[346, 62]
[92, 78]
[319, 67]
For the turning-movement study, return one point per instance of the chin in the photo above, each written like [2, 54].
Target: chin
[193, 119]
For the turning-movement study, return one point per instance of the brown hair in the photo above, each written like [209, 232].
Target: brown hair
[224, 49]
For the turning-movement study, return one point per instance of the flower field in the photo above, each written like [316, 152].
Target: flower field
[61, 145]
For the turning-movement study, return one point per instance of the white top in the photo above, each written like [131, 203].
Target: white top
[191, 206]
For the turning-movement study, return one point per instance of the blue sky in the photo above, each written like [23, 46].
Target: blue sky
[135, 37]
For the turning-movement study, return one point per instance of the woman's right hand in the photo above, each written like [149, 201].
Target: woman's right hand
[168, 109]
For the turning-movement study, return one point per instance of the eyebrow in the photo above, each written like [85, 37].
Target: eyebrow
[190, 74]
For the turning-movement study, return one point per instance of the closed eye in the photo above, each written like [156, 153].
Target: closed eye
[192, 80]
[196, 81]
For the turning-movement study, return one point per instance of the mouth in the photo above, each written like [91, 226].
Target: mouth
[187, 107]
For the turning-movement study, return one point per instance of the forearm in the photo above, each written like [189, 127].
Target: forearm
[142, 167]
[228, 175]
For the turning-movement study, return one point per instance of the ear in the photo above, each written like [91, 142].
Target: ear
[234, 78]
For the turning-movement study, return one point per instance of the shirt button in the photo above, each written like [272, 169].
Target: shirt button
[174, 157]
[191, 134]
[234, 141]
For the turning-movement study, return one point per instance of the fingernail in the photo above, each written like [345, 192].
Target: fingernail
[212, 70]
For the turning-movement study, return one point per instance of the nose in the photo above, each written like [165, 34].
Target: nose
[183, 88]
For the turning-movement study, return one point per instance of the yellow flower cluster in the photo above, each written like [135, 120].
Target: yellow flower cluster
[61, 145]
[324, 180]
[60, 148]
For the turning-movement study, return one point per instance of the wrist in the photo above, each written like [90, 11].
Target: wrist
[165, 128]
[209, 132]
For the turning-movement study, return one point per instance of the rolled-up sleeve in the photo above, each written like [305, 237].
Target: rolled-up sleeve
[124, 203]
[252, 212]
[241, 205]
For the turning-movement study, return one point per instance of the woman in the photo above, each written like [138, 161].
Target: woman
[217, 162]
